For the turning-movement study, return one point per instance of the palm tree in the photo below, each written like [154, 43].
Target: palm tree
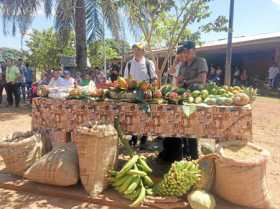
[82, 16]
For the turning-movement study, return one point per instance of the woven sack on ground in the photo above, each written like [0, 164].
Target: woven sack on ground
[242, 180]
[59, 167]
[97, 146]
[20, 150]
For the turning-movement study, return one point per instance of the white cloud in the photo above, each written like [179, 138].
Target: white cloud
[276, 2]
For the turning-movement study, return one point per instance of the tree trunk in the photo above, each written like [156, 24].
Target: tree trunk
[80, 32]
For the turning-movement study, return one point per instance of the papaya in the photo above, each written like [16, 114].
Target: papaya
[144, 86]
[132, 84]
[157, 94]
[122, 83]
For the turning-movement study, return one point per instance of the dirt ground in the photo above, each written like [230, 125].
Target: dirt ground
[266, 130]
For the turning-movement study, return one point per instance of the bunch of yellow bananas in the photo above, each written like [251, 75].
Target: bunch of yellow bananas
[132, 181]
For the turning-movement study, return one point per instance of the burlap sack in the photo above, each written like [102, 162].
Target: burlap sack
[59, 167]
[243, 181]
[20, 150]
[97, 150]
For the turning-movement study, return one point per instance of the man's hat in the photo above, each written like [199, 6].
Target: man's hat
[180, 50]
[66, 72]
[138, 46]
[188, 45]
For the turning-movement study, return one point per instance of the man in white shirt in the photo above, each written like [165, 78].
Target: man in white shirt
[68, 80]
[57, 81]
[140, 69]
[272, 73]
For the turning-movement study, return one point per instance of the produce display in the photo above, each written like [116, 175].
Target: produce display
[179, 179]
[132, 91]
[133, 181]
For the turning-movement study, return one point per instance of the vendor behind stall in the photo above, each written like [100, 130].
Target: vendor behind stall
[68, 80]
[192, 74]
[140, 69]
[56, 81]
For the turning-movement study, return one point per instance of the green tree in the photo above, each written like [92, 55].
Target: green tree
[85, 17]
[168, 22]
[114, 49]
[44, 49]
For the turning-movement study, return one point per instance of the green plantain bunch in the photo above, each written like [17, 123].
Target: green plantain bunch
[179, 179]
[132, 181]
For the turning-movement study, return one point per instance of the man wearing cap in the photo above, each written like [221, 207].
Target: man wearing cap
[12, 85]
[140, 69]
[192, 74]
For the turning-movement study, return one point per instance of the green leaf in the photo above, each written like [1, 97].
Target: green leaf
[189, 109]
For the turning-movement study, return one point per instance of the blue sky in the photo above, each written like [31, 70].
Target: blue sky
[251, 17]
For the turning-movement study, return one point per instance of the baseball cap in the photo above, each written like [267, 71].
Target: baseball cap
[188, 45]
[138, 46]
[180, 50]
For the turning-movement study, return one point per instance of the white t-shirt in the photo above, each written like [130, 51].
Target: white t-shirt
[68, 83]
[138, 70]
[272, 72]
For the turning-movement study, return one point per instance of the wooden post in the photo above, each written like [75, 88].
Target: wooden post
[229, 45]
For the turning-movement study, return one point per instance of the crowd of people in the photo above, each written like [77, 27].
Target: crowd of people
[16, 78]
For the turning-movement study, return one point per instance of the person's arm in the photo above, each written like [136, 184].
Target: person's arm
[153, 71]
[201, 79]
[126, 71]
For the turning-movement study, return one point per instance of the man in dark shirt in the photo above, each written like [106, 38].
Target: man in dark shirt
[192, 74]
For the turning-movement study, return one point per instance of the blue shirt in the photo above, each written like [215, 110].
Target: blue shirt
[28, 75]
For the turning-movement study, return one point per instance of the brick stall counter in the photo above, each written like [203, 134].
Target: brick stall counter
[60, 118]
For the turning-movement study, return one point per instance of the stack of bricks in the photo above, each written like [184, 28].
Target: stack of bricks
[60, 118]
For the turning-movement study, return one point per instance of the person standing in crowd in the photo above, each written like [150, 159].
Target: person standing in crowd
[114, 73]
[22, 81]
[219, 78]
[212, 73]
[2, 80]
[12, 86]
[236, 76]
[56, 81]
[272, 73]
[140, 69]
[193, 75]
[98, 77]
[28, 78]
[174, 70]
[243, 77]
[68, 80]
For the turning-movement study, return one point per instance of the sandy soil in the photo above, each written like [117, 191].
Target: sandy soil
[266, 129]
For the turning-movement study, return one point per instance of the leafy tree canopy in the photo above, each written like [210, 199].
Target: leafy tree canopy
[45, 51]
[114, 49]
